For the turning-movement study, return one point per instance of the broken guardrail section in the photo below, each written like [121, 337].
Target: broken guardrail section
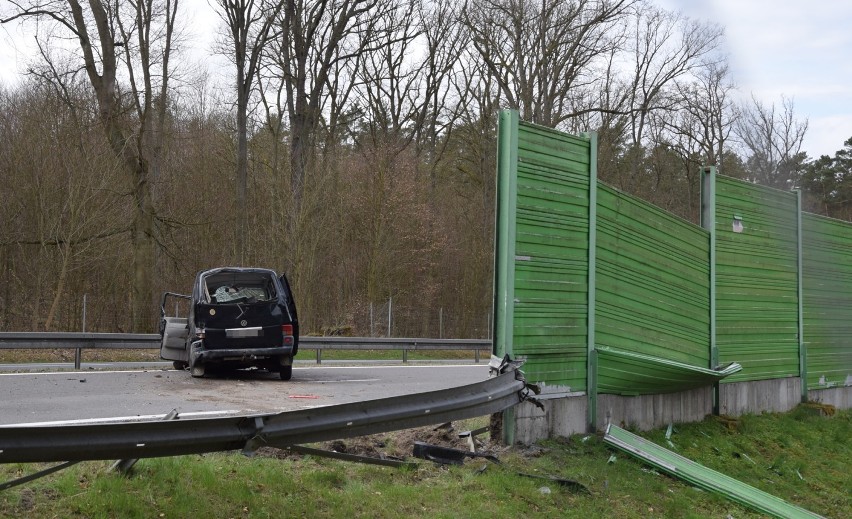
[701, 476]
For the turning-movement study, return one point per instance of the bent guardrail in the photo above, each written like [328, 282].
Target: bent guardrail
[45, 443]
[83, 340]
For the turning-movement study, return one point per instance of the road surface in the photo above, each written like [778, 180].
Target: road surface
[85, 396]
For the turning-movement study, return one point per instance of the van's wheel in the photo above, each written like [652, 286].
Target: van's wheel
[196, 369]
[179, 365]
[286, 372]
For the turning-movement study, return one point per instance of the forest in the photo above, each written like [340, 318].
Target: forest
[352, 147]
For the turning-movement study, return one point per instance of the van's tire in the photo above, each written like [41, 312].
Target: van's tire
[180, 365]
[196, 369]
[286, 372]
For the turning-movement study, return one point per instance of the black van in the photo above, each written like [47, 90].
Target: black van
[238, 318]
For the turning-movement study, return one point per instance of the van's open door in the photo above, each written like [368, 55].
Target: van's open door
[174, 330]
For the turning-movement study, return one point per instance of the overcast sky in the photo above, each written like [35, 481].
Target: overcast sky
[802, 50]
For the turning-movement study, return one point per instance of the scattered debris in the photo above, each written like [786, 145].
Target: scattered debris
[383, 461]
[437, 444]
[446, 455]
[544, 490]
[470, 435]
[448, 426]
[39, 474]
[567, 483]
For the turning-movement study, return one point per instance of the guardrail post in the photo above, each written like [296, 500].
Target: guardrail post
[78, 354]
[476, 355]
[319, 355]
[404, 355]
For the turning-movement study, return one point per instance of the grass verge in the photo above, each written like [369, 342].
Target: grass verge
[800, 456]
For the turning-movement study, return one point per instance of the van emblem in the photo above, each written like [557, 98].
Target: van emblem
[243, 322]
[212, 311]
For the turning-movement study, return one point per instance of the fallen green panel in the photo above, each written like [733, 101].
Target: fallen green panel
[700, 476]
[628, 373]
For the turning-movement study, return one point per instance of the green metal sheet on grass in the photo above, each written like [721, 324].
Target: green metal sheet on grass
[827, 300]
[630, 373]
[757, 279]
[702, 477]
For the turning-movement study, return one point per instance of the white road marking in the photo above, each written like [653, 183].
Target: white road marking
[137, 418]
[322, 366]
[91, 372]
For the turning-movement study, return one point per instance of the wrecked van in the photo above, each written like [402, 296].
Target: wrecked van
[236, 318]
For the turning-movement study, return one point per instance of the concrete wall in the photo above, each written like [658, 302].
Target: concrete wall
[777, 395]
[564, 416]
[649, 411]
[839, 397]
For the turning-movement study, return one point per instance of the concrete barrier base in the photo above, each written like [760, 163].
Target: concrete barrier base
[564, 416]
[646, 412]
[561, 417]
[839, 397]
[776, 395]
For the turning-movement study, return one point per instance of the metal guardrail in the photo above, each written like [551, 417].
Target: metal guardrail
[83, 340]
[126, 440]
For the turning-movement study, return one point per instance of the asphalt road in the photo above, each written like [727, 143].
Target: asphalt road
[87, 396]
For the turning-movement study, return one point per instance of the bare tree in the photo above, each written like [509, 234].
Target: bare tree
[540, 53]
[316, 37]
[133, 42]
[702, 126]
[249, 26]
[771, 138]
[665, 47]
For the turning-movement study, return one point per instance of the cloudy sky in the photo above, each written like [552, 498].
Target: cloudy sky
[801, 50]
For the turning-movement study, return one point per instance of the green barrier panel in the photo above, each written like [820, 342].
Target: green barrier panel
[629, 373]
[827, 301]
[702, 477]
[757, 279]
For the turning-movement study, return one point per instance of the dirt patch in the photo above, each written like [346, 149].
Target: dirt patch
[27, 501]
[396, 445]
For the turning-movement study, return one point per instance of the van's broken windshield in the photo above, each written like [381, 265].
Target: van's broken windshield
[226, 287]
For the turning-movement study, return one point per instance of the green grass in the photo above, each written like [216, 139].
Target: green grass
[799, 456]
